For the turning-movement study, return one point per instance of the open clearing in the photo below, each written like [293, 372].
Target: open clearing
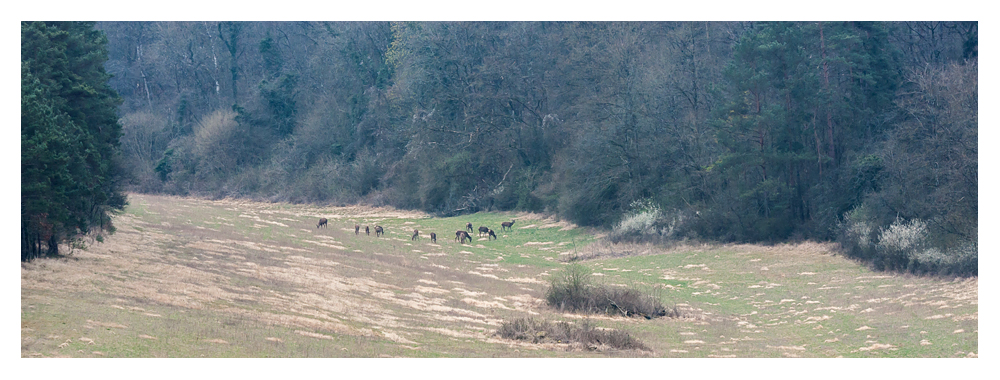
[186, 277]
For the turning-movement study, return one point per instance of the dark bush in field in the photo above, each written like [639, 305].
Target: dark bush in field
[536, 331]
[574, 291]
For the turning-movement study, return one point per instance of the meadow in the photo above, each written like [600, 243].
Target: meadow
[187, 277]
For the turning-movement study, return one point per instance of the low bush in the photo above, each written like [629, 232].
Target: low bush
[648, 223]
[585, 333]
[904, 246]
[574, 291]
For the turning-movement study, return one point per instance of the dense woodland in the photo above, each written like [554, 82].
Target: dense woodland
[861, 132]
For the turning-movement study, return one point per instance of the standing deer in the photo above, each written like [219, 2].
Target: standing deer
[416, 234]
[483, 230]
[434, 237]
[469, 227]
[366, 231]
[322, 222]
[357, 229]
[378, 231]
[492, 235]
[507, 225]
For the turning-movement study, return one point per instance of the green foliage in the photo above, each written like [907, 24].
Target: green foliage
[737, 131]
[280, 97]
[163, 167]
[788, 126]
[921, 190]
[70, 176]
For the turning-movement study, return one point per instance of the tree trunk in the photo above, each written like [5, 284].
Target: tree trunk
[829, 97]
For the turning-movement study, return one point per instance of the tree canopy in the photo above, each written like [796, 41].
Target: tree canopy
[732, 131]
[70, 173]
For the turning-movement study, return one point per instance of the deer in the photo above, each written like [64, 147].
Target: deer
[366, 231]
[434, 237]
[357, 229]
[416, 234]
[491, 235]
[322, 222]
[507, 225]
[468, 226]
[378, 231]
[462, 235]
[483, 230]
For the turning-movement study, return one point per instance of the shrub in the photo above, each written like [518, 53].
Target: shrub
[571, 290]
[574, 291]
[904, 246]
[540, 331]
[898, 241]
[647, 222]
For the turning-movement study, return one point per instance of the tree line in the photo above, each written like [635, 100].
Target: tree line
[727, 131]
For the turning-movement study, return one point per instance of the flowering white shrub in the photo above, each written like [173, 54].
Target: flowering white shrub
[860, 230]
[902, 237]
[905, 245]
[641, 223]
[647, 221]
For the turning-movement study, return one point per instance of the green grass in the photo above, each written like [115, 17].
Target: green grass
[244, 272]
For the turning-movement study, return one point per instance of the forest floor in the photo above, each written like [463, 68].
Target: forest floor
[186, 277]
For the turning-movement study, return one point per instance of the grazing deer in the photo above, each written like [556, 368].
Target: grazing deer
[322, 222]
[469, 227]
[378, 231]
[366, 231]
[357, 229]
[507, 225]
[483, 230]
[462, 235]
[416, 234]
[434, 237]
[492, 235]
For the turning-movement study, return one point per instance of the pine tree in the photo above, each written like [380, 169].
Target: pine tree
[70, 177]
[804, 97]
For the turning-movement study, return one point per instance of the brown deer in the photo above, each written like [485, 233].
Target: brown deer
[492, 235]
[462, 235]
[507, 225]
[357, 229]
[366, 231]
[434, 237]
[469, 227]
[378, 231]
[322, 222]
[483, 230]
[416, 234]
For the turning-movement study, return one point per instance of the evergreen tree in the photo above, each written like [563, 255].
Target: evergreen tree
[70, 176]
[804, 97]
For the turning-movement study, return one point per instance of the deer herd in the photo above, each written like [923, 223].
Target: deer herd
[460, 235]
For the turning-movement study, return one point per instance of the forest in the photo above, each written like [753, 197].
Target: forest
[863, 133]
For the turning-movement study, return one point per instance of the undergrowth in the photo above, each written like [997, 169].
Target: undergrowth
[574, 291]
[584, 333]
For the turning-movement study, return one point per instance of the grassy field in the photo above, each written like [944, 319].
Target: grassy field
[186, 277]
